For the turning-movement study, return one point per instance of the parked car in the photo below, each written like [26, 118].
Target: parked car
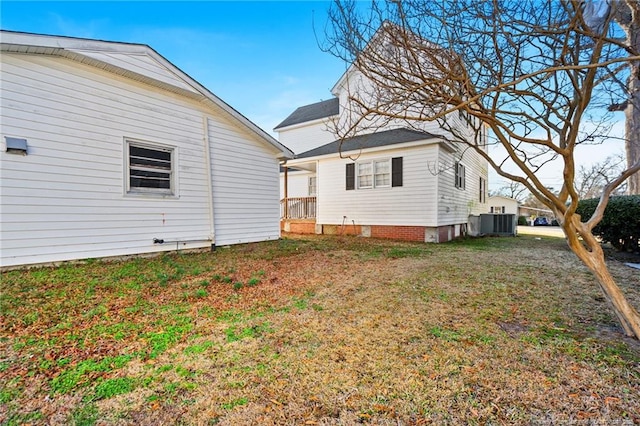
[540, 221]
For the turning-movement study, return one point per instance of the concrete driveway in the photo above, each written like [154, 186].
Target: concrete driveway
[547, 231]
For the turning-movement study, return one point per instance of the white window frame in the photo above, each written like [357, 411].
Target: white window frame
[145, 191]
[372, 166]
[312, 186]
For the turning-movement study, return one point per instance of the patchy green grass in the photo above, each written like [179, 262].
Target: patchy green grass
[320, 330]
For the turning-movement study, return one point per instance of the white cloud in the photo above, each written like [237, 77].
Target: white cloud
[86, 29]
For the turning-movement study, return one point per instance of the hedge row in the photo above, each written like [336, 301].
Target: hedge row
[620, 224]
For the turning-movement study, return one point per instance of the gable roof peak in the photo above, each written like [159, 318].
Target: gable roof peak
[166, 76]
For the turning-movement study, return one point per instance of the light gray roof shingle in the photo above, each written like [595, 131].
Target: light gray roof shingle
[372, 140]
[311, 112]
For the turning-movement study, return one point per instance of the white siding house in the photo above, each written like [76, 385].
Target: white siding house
[388, 181]
[500, 204]
[108, 149]
[397, 184]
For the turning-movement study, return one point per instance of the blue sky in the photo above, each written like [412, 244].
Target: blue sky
[260, 57]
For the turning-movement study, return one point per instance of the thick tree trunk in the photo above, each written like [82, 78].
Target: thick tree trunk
[632, 112]
[632, 127]
[594, 259]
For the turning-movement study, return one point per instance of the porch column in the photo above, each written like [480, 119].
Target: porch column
[286, 191]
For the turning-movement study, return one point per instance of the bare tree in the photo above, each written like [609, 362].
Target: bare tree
[591, 180]
[533, 73]
[514, 190]
[532, 201]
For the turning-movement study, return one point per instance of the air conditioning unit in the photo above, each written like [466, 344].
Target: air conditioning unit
[498, 224]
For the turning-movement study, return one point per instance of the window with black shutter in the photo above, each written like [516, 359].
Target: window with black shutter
[382, 173]
[459, 176]
[351, 176]
[396, 171]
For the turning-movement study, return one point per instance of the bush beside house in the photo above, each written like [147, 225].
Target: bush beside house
[620, 224]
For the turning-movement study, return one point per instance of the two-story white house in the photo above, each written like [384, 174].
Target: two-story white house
[387, 181]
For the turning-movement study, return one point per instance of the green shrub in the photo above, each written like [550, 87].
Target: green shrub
[522, 220]
[620, 224]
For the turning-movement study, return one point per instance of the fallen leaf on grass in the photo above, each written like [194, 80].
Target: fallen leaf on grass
[611, 400]
[383, 409]
[585, 415]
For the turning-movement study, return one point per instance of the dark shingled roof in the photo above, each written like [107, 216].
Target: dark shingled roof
[311, 112]
[372, 140]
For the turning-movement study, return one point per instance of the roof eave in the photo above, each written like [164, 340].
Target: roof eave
[304, 123]
[58, 46]
[335, 89]
[411, 144]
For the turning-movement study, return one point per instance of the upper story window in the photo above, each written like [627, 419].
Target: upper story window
[460, 176]
[150, 169]
[382, 173]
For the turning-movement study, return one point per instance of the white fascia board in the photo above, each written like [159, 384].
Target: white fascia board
[335, 90]
[63, 42]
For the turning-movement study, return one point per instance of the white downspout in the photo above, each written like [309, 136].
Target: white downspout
[207, 155]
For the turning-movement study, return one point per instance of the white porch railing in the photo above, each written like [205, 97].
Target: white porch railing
[298, 208]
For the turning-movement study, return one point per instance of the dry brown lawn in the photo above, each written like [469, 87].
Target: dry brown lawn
[321, 330]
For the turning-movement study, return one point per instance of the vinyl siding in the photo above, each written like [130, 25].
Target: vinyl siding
[65, 200]
[510, 205]
[138, 63]
[414, 203]
[298, 185]
[350, 112]
[456, 204]
[245, 186]
[302, 138]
